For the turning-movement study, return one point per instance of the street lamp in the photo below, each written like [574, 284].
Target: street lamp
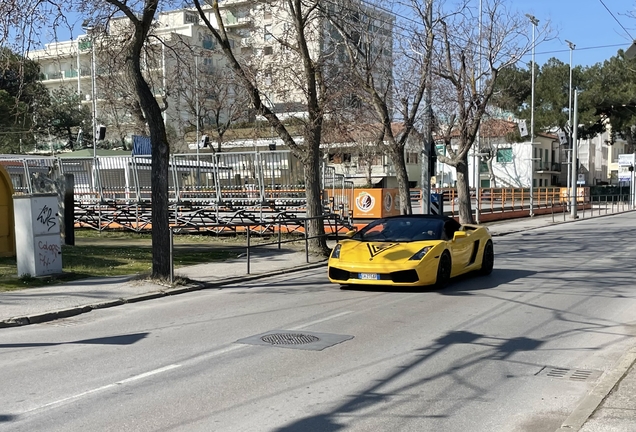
[575, 156]
[89, 30]
[535, 23]
[569, 150]
[476, 161]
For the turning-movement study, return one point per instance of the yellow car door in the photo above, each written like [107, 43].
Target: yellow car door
[461, 247]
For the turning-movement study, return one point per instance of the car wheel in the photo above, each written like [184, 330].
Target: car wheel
[488, 259]
[443, 270]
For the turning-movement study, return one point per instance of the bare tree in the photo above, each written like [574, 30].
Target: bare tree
[133, 35]
[296, 47]
[208, 90]
[390, 82]
[463, 60]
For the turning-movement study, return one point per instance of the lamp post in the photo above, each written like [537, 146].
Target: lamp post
[569, 150]
[575, 156]
[196, 99]
[476, 158]
[535, 23]
[89, 31]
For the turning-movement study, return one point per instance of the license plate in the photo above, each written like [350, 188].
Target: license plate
[368, 276]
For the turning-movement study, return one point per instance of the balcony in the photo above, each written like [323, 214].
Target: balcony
[232, 21]
[547, 167]
[68, 74]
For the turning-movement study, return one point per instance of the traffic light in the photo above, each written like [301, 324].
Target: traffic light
[101, 132]
[205, 141]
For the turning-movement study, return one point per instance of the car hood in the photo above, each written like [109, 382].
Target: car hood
[352, 251]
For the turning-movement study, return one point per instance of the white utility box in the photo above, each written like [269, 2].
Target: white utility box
[37, 234]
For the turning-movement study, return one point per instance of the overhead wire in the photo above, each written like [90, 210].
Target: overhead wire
[616, 19]
[419, 23]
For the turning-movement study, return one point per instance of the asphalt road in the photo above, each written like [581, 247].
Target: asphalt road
[473, 357]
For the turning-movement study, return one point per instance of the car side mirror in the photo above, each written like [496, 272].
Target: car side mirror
[459, 235]
[350, 234]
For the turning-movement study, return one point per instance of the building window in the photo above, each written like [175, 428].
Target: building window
[411, 158]
[208, 42]
[504, 155]
[338, 158]
[268, 33]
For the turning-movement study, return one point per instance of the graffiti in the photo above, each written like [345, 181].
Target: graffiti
[48, 253]
[46, 217]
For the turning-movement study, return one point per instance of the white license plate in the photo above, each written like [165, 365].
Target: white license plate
[368, 276]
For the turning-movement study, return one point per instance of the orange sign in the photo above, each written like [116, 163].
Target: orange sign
[375, 203]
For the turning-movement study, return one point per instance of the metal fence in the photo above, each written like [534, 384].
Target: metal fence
[113, 190]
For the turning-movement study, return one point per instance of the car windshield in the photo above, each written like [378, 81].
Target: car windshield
[402, 229]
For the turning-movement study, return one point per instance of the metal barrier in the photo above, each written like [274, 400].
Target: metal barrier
[294, 225]
[115, 192]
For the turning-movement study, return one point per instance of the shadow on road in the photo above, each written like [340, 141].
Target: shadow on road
[128, 339]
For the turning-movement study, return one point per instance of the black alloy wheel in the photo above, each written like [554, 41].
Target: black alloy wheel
[488, 259]
[443, 271]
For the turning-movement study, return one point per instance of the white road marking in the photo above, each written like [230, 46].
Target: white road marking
[321, 320]
[106, 387]
[147, 374]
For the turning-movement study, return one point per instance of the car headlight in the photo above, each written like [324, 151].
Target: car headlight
[420, 254]
[336, 251]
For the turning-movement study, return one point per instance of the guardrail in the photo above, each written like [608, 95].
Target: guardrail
[253, 227]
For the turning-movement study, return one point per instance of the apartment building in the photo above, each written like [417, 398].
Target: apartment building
[183, 63]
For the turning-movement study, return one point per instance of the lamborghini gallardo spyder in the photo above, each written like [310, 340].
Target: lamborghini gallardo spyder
[411, 250]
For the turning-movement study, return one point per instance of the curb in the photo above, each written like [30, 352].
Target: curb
[590, 403]
[66, 313]
[557, 223]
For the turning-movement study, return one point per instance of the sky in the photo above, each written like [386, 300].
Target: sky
[586, 23]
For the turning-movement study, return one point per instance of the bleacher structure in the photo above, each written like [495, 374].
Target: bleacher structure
[114, 192]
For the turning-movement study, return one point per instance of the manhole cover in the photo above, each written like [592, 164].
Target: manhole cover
[295, 339]
[289, 339]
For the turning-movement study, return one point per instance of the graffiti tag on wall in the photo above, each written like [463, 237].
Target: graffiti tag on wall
[47, 217]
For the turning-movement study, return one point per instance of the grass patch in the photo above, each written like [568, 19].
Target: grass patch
[85, 261]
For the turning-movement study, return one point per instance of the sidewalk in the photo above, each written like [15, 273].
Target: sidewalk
[615, 412]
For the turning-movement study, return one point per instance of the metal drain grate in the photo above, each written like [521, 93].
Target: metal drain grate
[292, 339]
[289, 339]
[569, 374]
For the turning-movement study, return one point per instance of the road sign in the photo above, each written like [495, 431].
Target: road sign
[626, 159]
[580, 179]
[437, 204]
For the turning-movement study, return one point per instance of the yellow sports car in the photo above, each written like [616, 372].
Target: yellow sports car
[411, 250]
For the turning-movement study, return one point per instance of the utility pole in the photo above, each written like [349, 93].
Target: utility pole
[575, 155]
[477, 152]
[427, 145]
[569, 150]
[535, 23]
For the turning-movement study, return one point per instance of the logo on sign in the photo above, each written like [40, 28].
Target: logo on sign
[365, 202]
[388, 201]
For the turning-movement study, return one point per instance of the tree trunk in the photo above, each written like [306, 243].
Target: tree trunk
[159, 170]
[463, 192]
[317, 245]
[404, 192]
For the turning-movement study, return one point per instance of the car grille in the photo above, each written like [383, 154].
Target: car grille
[338, 274]
[404, 276]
